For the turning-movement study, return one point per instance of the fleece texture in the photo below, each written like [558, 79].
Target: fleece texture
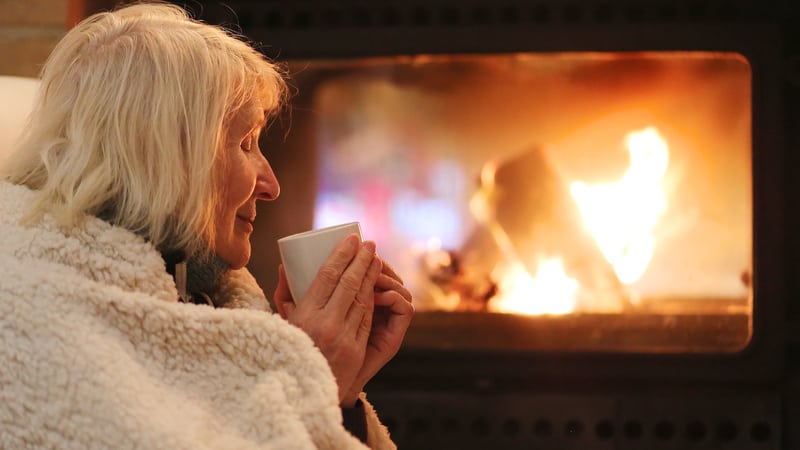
[96, 352]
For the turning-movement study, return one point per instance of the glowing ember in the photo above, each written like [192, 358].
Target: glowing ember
[621, 216]
[550, 291]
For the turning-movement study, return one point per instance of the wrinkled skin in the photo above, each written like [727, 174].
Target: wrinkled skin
[356, 310]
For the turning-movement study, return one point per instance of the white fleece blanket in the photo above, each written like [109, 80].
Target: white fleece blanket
[97, 353]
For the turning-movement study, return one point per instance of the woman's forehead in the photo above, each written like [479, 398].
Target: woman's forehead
[252, 113]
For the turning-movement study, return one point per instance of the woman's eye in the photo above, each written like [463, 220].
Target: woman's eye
[247, 143]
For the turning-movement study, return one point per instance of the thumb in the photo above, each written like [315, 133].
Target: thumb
[284, 302]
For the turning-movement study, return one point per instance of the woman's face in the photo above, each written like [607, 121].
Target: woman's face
[246, 176]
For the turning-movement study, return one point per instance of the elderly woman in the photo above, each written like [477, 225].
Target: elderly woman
[127, 318]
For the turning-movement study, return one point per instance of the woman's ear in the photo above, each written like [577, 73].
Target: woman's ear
[284, 302]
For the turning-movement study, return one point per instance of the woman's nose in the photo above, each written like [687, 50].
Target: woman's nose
[267, 186]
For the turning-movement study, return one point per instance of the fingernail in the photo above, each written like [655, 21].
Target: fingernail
[369, 245]
[353, 240]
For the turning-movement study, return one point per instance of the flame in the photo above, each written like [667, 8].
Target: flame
[550, 291]
[622, 216]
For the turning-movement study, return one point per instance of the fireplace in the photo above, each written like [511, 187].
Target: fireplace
[592, 202]
[588, 190]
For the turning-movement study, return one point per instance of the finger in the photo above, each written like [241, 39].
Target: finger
[399, 311]
[327, 279]
[360, 314]
[284, 302]
[389, 299]
[350, 281]
[396, 315]
[387, 283]
[391, 280]
[389, 271]
[389, 327]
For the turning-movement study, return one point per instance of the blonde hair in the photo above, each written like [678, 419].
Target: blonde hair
[132, 113]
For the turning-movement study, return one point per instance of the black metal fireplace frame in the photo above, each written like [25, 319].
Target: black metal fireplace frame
[424, 389]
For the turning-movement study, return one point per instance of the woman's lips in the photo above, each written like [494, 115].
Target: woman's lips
[246, 222]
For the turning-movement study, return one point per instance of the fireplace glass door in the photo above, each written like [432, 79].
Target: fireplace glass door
[559, 201]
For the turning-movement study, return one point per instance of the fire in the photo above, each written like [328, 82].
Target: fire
[622, 216]
[550, 291]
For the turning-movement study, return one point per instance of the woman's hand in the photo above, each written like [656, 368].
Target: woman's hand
[391, 319]
[337, 311]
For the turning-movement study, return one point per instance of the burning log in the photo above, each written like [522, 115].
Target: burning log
[446, 273]
[529, 216]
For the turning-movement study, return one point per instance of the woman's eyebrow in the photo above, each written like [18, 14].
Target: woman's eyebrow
[259, 120]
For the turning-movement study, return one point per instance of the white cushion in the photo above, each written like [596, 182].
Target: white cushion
[16, 101]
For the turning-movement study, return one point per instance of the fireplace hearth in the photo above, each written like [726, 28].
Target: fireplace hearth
[694, 347]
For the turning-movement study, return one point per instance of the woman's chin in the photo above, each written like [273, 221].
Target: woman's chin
[235, 258]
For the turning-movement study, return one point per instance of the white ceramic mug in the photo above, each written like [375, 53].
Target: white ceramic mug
[302, 254]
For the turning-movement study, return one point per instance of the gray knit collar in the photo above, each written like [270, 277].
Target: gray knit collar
[203, 275]
[197, 278]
